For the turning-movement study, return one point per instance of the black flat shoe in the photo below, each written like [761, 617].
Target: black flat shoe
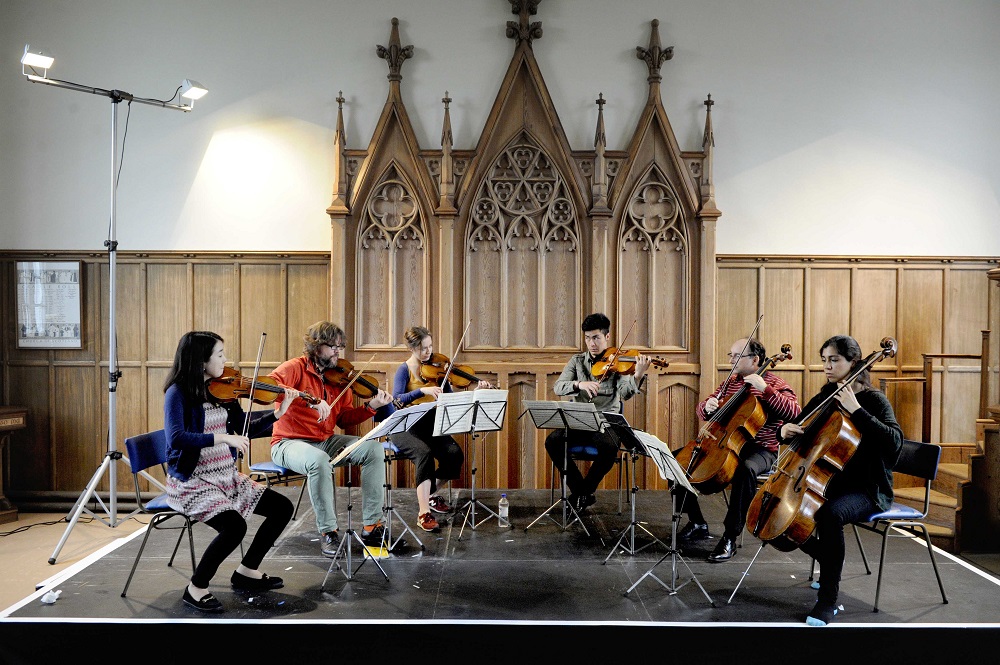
[208, 603]
[266, 583]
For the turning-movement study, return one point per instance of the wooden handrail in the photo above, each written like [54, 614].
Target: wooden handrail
[983, 357]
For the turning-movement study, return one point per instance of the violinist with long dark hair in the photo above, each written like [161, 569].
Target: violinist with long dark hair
[864, 486]
[305, 440]
[419, 443]
[202, 479]
[778, 401]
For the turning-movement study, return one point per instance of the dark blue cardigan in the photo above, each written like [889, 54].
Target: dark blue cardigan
[184, 426]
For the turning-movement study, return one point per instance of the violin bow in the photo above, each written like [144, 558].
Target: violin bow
[454, 355]
[350, 383]
[732, 370]
[253, 384]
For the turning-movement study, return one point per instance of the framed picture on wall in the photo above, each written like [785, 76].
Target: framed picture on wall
[48, 305]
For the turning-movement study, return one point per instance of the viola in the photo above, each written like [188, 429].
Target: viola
[616, 361]
[362, 385]
[783, 512]
[433, 370]
[711, 458]
[233, 386]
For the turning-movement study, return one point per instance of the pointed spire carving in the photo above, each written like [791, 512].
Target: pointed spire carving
[654, 55]
[599, 184]
[523, 30]
[707, 145]
[394, 54]
[339, 203]
[447, 185]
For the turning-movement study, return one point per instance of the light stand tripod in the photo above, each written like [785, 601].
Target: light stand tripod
[113, 455]
[627, 439]
[474, 411]
[567, 416]
[669, 470]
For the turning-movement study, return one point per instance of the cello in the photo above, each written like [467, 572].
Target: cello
[783, 512]
[711, 458]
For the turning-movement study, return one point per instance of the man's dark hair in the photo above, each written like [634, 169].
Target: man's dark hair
[596, 321]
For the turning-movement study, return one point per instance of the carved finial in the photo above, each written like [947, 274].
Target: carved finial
[709, 138]
[340, 117]
[599, 138]
[654, 55]
[523, 30]
[394, 54]
[446, 139]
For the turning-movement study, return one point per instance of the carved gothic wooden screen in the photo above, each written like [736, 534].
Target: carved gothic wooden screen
[654, 259]
[505, 248]
[391, 260]
[522, 253]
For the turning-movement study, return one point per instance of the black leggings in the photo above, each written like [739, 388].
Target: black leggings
[275, 508]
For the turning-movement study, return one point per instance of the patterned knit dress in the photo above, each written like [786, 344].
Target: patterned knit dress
[215, 485]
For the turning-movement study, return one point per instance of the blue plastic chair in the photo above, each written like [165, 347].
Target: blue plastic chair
[146, 451]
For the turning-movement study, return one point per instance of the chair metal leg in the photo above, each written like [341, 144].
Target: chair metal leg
[389, 511]
[930, 551]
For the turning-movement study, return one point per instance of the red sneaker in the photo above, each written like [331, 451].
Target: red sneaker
[438, 505]
[427, 522]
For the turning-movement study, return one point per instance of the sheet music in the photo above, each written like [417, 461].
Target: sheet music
[400, 420]
[456, 410]
[579, 415]
[668, 466]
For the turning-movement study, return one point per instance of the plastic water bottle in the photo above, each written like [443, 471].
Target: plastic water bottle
[503, 511]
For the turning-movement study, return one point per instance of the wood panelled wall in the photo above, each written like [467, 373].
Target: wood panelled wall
[928, 305]
[160, 296]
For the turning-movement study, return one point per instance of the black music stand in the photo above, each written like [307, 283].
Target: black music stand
[398, 421]
[582, 416]
[670, 470]
[629, 442]
[471, 411]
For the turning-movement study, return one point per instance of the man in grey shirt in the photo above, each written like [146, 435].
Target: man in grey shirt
[607, 394]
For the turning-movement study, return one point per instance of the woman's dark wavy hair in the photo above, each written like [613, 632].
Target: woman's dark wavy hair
[848, 347]
[188, 371]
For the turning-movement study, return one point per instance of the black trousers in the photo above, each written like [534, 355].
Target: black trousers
[754, 460]
[276, 510]
[606, 449]
[420, 445]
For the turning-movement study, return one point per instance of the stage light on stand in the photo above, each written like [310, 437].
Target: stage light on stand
[193, 90]
[35, 59]
[35, 65]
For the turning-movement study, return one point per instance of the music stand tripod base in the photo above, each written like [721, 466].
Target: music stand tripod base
[674, 554]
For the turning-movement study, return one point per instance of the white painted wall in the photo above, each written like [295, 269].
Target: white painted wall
[842, 127]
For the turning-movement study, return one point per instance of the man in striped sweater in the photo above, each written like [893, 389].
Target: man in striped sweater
[757, 456]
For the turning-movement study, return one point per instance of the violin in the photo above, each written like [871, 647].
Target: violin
[233, 386]
[433, 370]
[620, 362]
[711, 459]
[362, 385]
[783, 512]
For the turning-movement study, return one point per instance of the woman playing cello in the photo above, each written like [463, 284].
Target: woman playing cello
[864, 486]
[419, 443]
